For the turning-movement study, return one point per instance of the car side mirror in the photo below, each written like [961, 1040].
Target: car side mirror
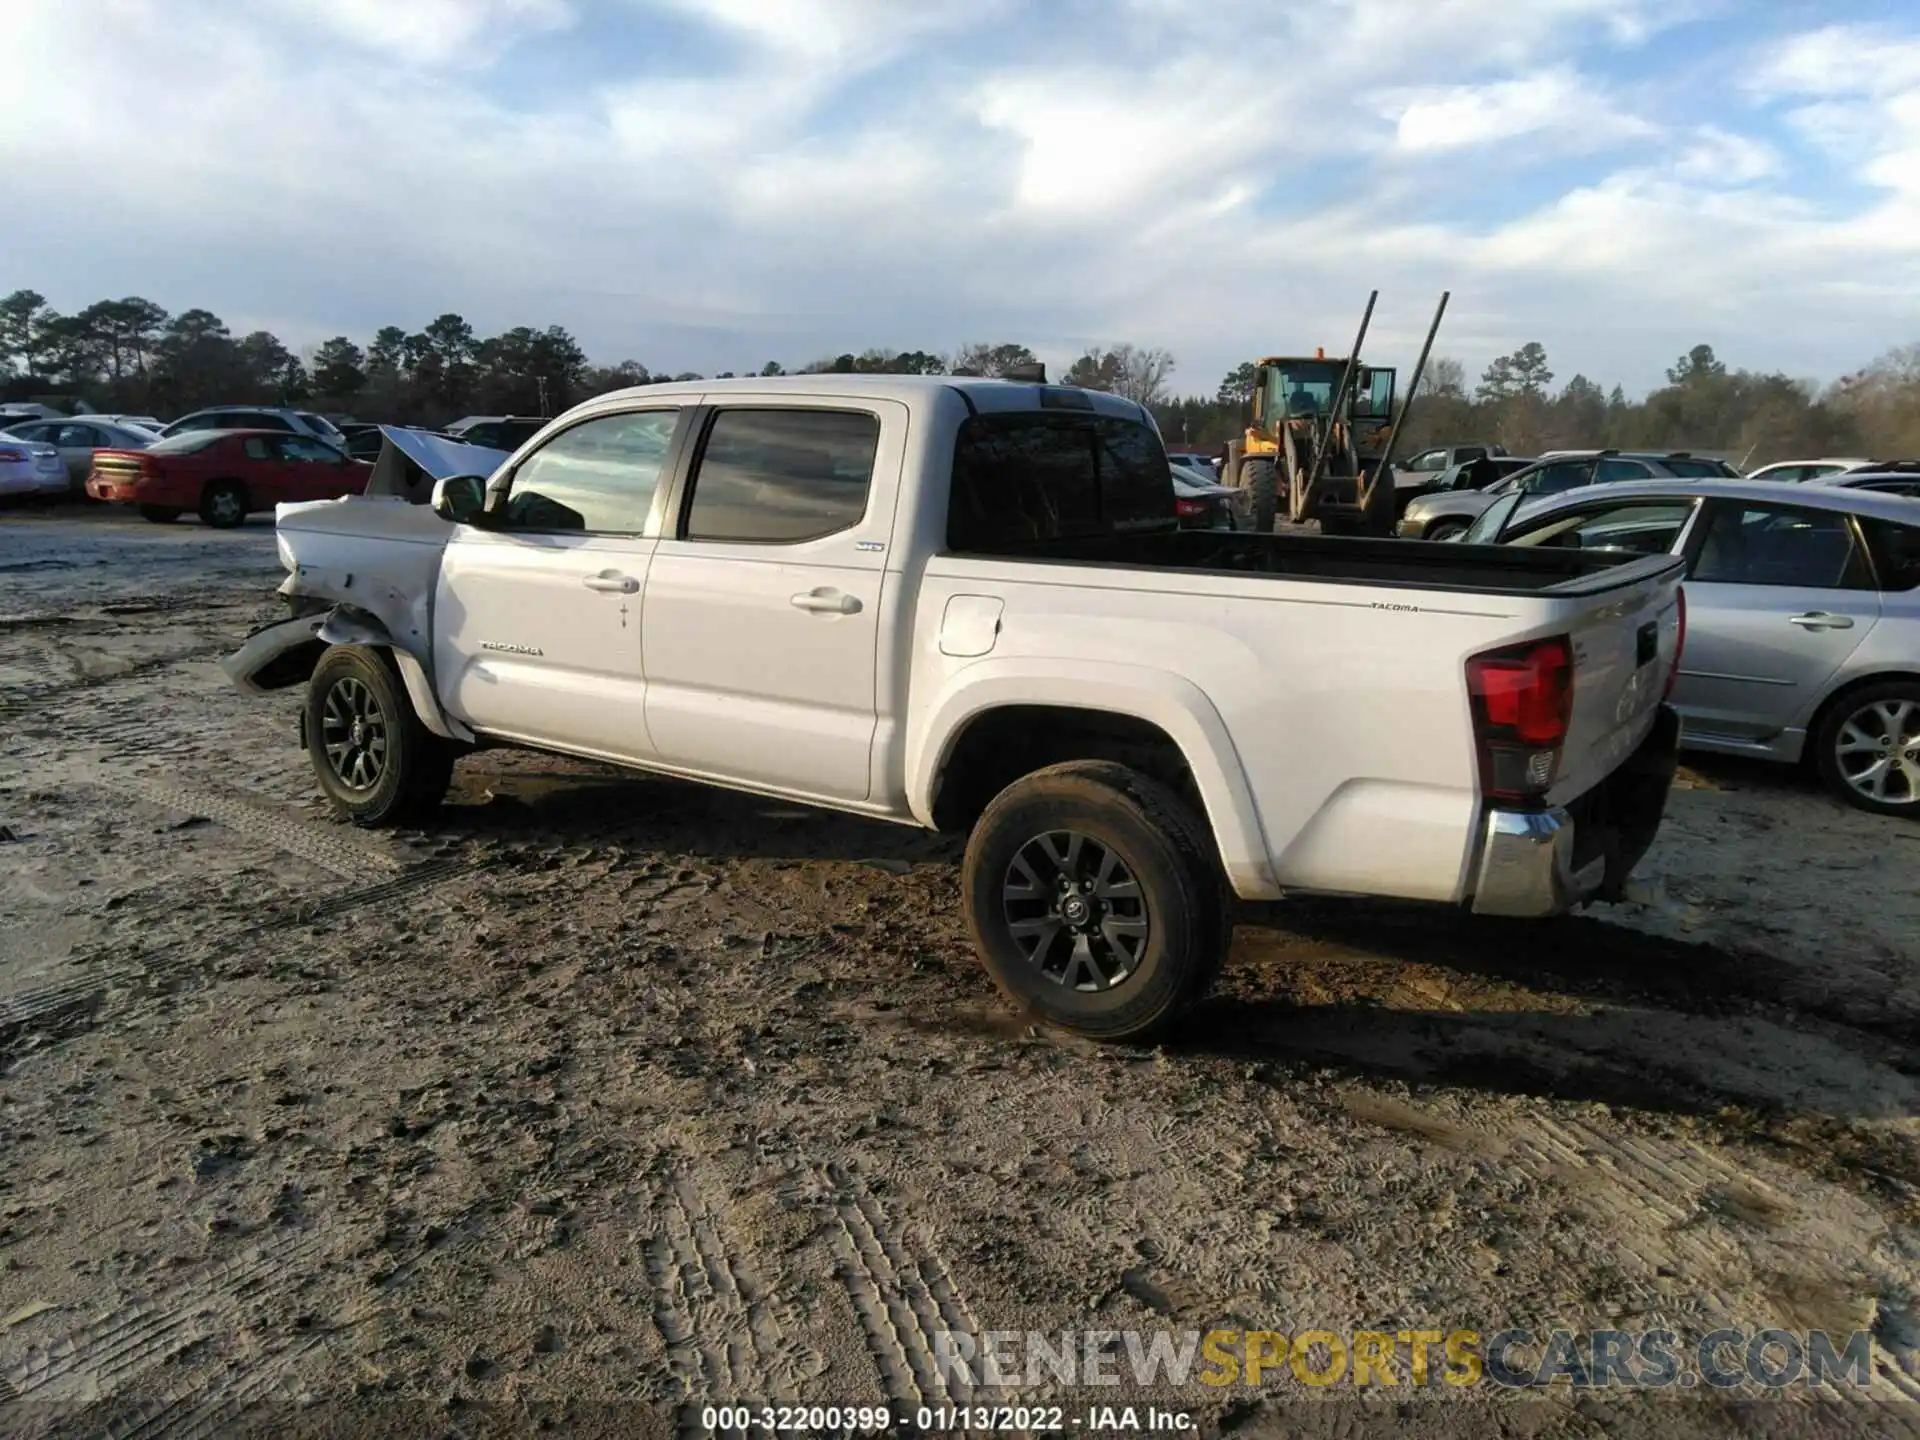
[460, 499]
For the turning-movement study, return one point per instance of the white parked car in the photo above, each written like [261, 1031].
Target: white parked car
[968, 605]
[1794, 471]
[28, 467]
[259, 417]
[76, 438]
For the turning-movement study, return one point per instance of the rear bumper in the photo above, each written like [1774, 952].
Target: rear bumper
[1545, 862]
[19, 481]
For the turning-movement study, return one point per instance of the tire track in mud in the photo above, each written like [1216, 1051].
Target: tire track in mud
[331, 847]
[92, 1363]
[726, 1336]
[1676, 1186]
[69, 1006]
[902, 1294]
[27, 699]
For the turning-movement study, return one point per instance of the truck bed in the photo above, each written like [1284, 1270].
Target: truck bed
[1400, 564]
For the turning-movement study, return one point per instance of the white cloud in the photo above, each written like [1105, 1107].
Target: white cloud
[1841, 60]
[856, 172]
[428, 32]
[1556, 100]
[1720, 157]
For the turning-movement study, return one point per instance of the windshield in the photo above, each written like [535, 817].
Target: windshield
[1486, 530]
[322, 425]
[1303, 387]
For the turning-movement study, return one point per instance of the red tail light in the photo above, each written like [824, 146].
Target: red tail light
[1679, 643]
[1522, 699]
[11, 456]
[1189, 509]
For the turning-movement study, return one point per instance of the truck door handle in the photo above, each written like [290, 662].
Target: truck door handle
[612, 583]
[1821, 620]
[826, 601]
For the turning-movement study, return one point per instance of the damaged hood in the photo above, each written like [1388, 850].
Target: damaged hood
[411, 460]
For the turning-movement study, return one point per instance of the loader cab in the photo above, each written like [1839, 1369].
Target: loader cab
[1303, 389]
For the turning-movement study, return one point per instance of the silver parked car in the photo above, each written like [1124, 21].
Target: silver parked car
[1802, 616]
[259, 417]
[1445, 515]
[77, 437]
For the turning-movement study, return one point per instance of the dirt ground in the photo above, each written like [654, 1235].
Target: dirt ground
[609, 1093]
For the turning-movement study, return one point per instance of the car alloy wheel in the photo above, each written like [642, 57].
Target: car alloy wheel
[224, 507]
[353, 734]
[1877, 751]
[1075, 911]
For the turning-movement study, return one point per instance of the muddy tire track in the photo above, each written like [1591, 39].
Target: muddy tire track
[902, 1294]
[102, 1358]
[71, 1005]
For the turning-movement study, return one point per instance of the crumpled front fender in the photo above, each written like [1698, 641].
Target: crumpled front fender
[285, 654]
[277, 656]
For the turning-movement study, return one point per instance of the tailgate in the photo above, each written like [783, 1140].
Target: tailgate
[1626, 641]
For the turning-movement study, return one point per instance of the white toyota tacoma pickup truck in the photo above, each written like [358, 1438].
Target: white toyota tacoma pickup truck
[968, 605]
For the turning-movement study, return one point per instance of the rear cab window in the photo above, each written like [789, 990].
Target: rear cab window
[1028, 477]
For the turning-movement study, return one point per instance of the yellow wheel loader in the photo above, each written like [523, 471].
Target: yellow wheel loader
[1322, 439]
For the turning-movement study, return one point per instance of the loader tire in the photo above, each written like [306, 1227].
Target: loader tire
[1259, 478]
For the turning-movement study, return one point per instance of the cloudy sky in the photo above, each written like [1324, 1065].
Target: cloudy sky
[707, 184]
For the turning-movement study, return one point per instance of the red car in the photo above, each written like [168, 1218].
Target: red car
[224, 475]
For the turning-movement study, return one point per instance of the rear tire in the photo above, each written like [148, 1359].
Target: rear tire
[159, 514]
[223, 504]
[1142, 926]
[1259, 479]
[1860, 722]
[376, 763]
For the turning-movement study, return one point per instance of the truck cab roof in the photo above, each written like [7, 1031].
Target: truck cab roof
[979, 395]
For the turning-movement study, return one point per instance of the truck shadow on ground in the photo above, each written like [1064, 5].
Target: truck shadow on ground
[1588, 957]
[1644, 1060]
[1628, 1018]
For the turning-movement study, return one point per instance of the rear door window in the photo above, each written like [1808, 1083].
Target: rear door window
[1031, 477]
[1749, 544]
[782, 476]
[1613, 468]
[305, 447]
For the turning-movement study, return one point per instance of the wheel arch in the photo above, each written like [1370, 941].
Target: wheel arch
[1809, 750]
[986, 729]
[207, 485]
[348, 625]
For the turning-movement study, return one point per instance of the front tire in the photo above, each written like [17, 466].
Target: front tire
[223, 504]
[1867, 749]
[1257, 474]
[1095, 899]
[376, 763]
[1446, 530]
